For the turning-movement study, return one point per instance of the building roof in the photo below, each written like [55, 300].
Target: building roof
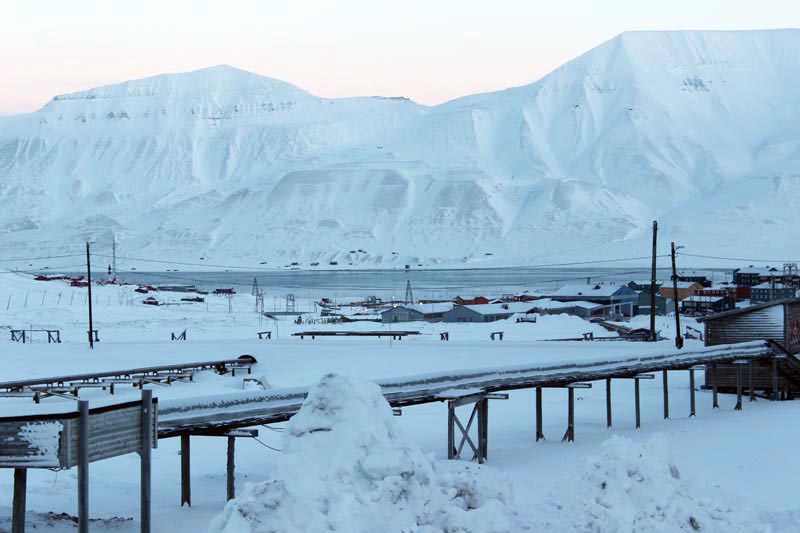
[597, 290]
[761, 271]
[682, 285]
[705, 299]
[767, 285]
[502, 308]
[426, 309]
[745, 310]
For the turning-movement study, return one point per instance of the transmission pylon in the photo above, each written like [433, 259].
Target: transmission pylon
[409, 294]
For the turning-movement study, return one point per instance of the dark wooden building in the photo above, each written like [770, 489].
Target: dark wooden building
[778, 322]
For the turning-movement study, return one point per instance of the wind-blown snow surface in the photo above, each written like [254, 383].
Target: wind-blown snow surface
[695, 128]
[346, 467]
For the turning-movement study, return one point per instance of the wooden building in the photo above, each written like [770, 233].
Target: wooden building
[778, 322]
[685, 289]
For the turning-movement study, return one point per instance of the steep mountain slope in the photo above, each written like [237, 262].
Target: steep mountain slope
[694, 128]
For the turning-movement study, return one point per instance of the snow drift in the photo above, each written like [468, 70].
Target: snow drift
[694, 128]
[630, 487]
[345, 468]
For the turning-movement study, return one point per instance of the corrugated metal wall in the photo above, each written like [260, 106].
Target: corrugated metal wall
[763, 324]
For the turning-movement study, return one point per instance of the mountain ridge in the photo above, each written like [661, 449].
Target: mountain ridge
[219, 162]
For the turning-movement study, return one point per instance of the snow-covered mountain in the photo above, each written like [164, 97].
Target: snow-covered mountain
[696, 129]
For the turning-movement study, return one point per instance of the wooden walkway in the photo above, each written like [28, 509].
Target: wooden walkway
[278, 405]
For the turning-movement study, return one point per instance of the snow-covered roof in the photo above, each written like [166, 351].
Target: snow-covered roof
[706, 299]
[588, 290]
[767, 285]
[503, 308]
[765, 271]
[426, 309]
[682, 285]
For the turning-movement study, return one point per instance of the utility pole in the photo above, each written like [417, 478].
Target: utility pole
[653, 286]
[89, 287]
[678, 337]
[114, 253]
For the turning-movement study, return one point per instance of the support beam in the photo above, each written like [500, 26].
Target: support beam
[638, 413]
[666, 396]
[715, 404]
[186, 470]
[750, 381]
[608, 402]
[539, 432]
[479, 414]
[692, 410]
[569, 436]
[145, 463]
[83, 467]
[18, 507]
[738, 406]
[451, 431]
[775, 379]
[231, 476]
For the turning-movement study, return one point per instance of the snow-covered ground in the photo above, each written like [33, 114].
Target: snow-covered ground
[726, 460]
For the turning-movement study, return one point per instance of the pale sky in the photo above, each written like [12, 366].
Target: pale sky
[428, 50]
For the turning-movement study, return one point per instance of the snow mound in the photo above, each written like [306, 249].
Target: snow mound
[346, 468]
[629, 487]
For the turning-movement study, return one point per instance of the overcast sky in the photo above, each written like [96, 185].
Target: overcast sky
[427, 50]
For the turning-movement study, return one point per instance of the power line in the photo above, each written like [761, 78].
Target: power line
[41, 270]
[160, 261]
[740, 258]
[39, 258]
[277, 269]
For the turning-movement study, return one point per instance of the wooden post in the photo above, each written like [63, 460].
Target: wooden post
[608, 402]
[451, 435]
[636, 403]
[83, 467]
[666, 396]
[483, 430]
[774, 379]
[186, 469]
[539, 432]
[145, 456]
[716, 391]
[231, 477]
[691, 393]
[738, 406]
[569, 436]
[18, 507]
[750, 381]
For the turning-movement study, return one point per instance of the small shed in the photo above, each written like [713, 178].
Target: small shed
[778, 322]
